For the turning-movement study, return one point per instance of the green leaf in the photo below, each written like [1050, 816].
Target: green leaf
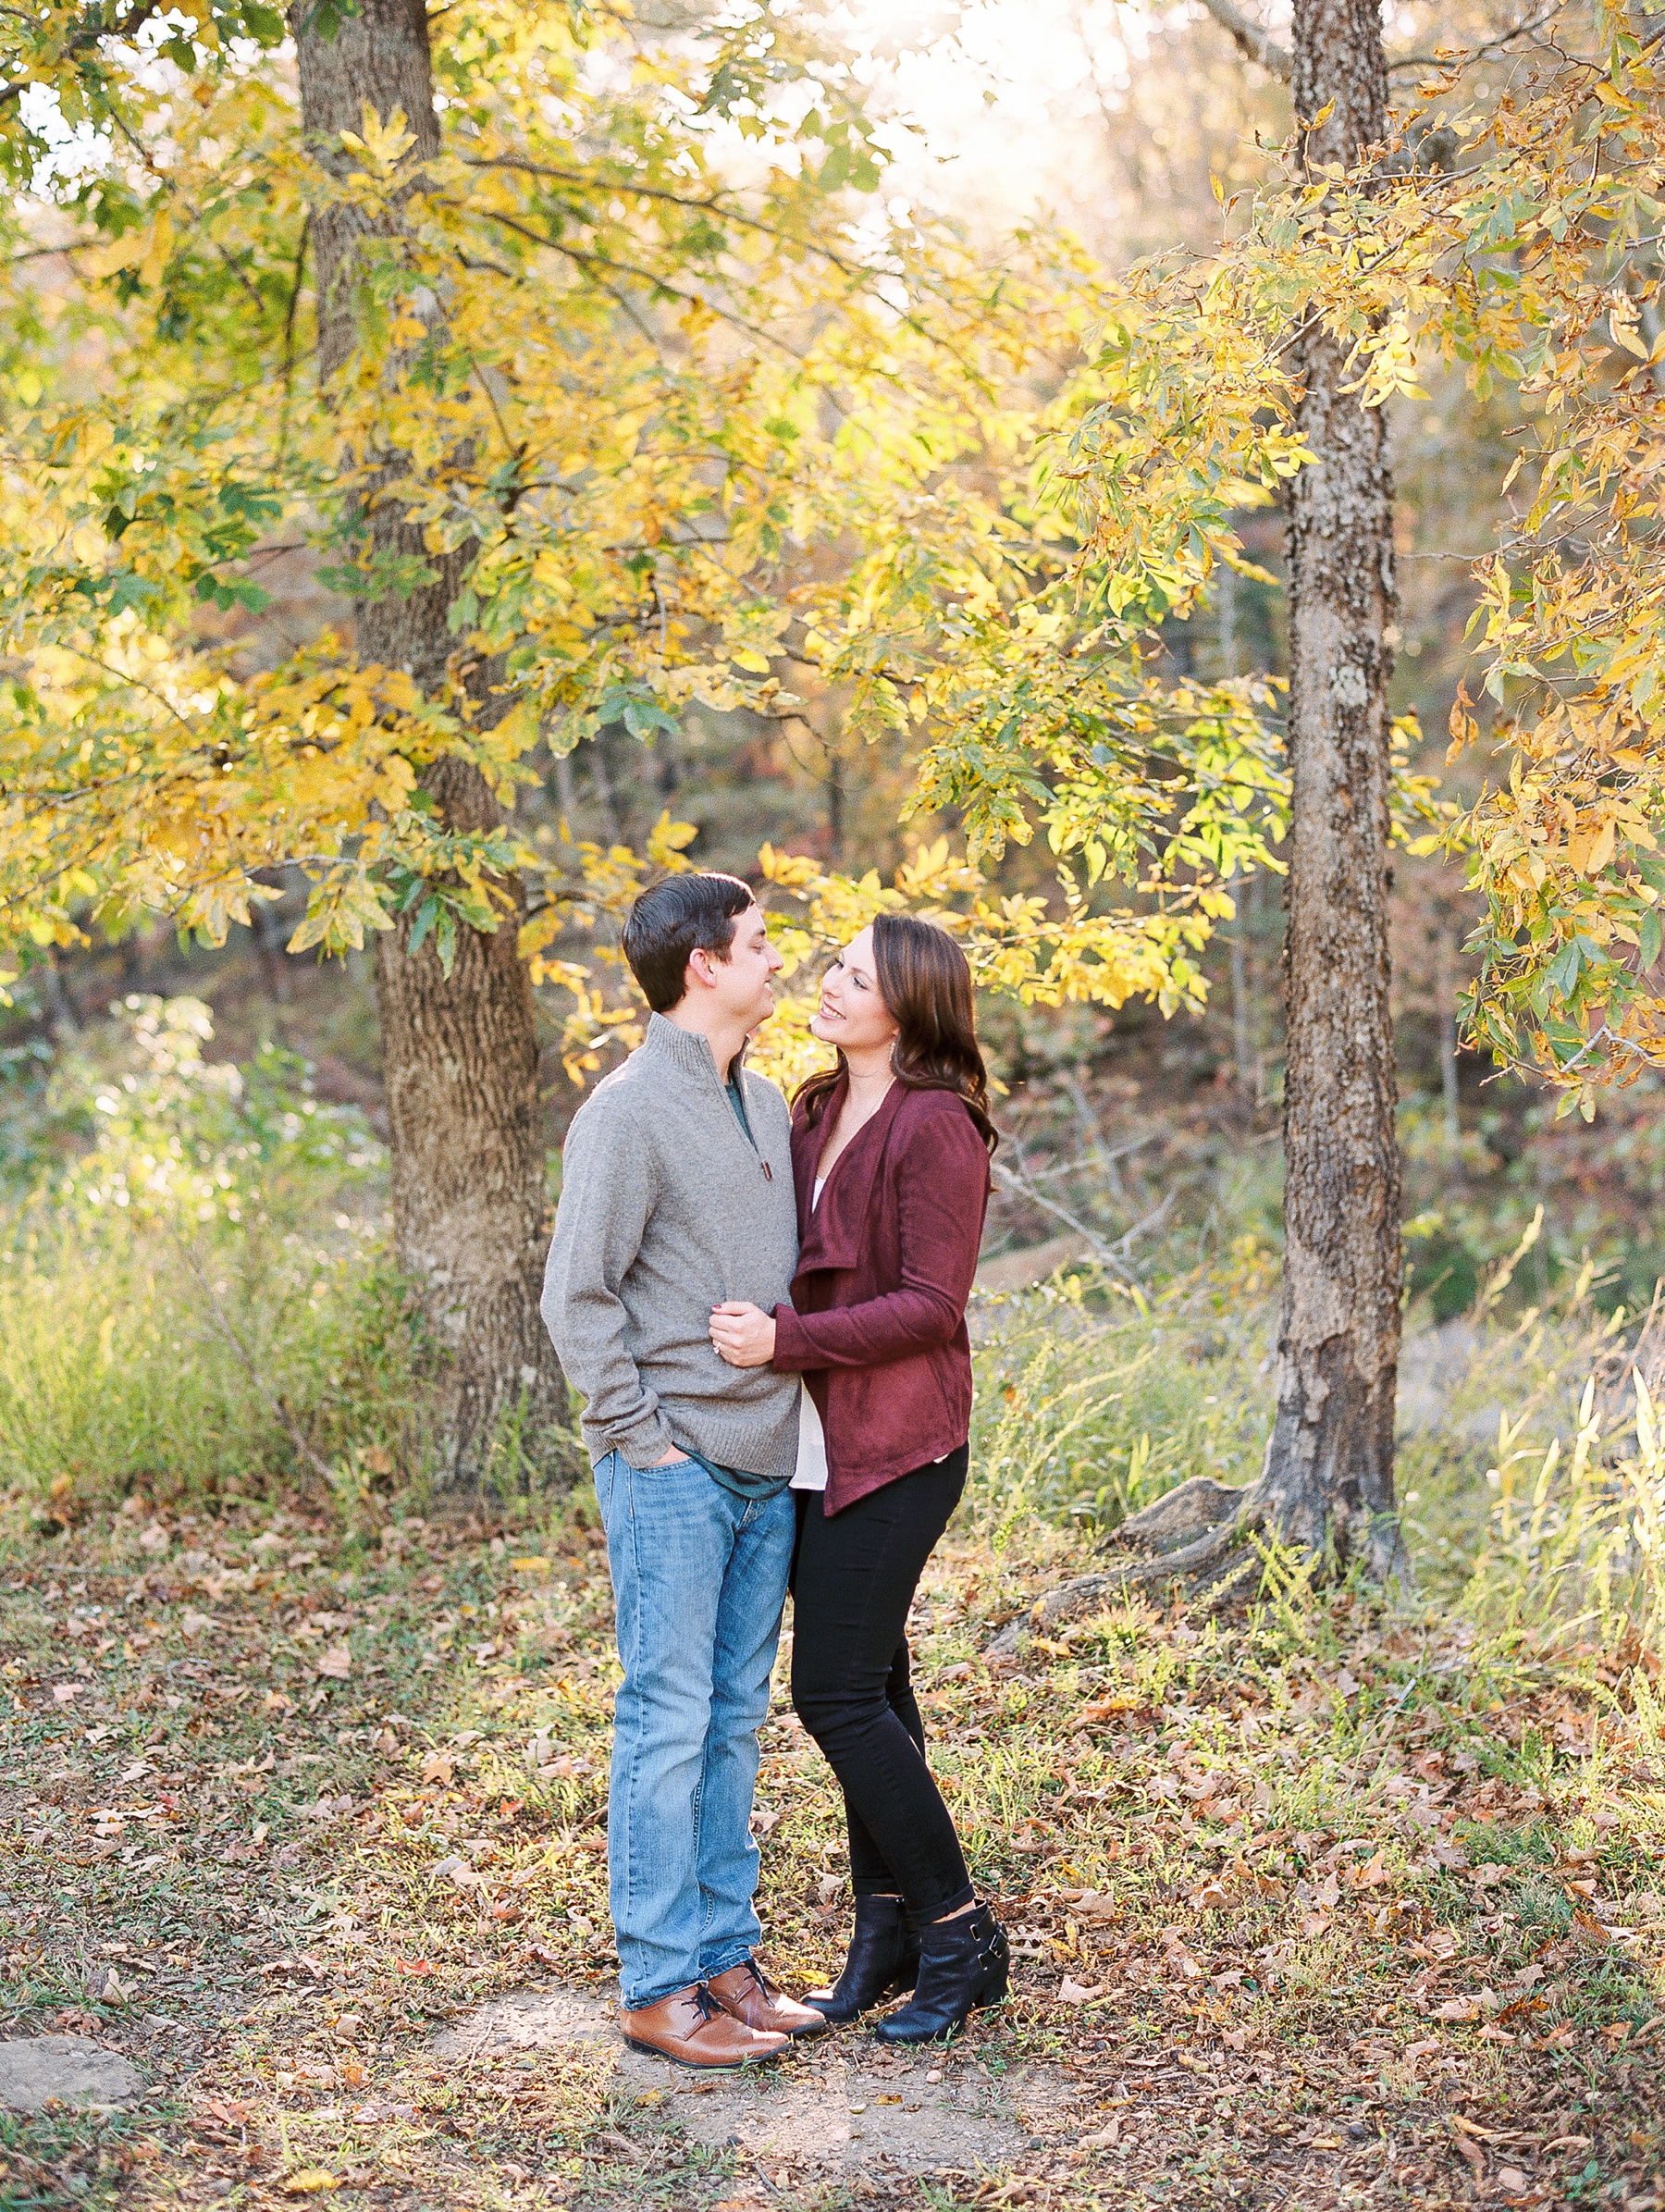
[426, 915]
[1648, 936]
[1562, 972]
[445, 938]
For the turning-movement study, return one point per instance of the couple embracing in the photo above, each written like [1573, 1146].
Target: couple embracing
[766, 1313]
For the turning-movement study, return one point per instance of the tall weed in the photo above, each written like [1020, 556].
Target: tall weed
[142, 1362]
[1576, 1545]
[194, 1298]
[1092, 1401]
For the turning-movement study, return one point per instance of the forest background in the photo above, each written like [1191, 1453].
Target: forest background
[1150, 1124]
[226, 1403]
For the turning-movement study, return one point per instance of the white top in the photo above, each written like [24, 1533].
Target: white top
[812, 1437]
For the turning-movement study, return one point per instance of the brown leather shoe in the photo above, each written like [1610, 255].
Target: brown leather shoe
[692, 2029]
[746, 1992]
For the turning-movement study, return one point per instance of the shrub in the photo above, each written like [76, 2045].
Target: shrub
[195, 1296]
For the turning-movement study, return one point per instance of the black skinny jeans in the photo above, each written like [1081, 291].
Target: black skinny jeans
[853, 1579]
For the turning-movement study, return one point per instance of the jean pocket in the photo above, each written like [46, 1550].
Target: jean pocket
[604, 1473]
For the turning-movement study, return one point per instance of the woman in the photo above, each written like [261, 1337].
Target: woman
[889, 1156]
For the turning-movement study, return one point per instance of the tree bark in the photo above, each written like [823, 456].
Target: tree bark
[1326, 1483]
[459, 1052]
[1328, 1474]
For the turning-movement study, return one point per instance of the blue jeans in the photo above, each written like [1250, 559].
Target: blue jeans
[699, 1582]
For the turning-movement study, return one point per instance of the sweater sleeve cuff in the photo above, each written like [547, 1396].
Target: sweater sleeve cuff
[793, 1350]
[644, 1444]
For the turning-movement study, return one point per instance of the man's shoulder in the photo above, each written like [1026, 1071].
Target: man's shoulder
[618, 1098]
[761, 1091]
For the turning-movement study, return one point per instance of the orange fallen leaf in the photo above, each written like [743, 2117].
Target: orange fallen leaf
[1105, 1708]
[310, 2180]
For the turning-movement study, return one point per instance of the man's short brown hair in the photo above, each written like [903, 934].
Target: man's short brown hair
[672, 919]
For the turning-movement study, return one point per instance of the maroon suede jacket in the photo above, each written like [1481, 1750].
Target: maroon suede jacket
[877, 1322]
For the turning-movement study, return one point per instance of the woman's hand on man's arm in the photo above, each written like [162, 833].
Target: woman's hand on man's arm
[744, 1334]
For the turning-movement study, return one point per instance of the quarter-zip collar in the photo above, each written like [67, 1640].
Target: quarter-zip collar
[690, 1052]
[685, 1049]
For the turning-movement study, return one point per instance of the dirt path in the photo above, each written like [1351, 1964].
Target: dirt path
[837, 2105]
[304, 1869]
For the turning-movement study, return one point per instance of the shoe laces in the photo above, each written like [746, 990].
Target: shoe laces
[762, 1980]
[707, 2004]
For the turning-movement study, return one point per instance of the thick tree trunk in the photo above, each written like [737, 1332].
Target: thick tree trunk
[464, 1121]
[460, 1051]
[1329, 1475]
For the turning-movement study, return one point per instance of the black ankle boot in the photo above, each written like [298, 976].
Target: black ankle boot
[884, 1957]
[962, 1964]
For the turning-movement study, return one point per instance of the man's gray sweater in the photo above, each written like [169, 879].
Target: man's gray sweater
[667, 1209]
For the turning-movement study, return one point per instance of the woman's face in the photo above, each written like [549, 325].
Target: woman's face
[851, 1014]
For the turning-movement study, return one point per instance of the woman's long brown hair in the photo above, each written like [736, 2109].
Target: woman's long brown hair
[925, 981]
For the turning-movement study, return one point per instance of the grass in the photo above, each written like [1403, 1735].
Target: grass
[183, 1366]
[1378, 1894]
[1337, 1904]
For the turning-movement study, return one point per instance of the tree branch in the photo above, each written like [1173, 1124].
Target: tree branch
[92, 35]
[1250, 38]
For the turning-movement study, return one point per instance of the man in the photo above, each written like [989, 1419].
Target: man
[676, 1195]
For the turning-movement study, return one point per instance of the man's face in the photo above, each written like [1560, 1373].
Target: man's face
[742, 982]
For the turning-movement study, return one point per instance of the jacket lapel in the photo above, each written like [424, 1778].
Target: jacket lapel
[830, 1237]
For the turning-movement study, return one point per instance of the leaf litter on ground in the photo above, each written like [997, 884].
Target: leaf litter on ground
[1317, 1905]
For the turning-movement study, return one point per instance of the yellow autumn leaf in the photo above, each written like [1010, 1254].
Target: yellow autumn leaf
[113, 254]
[158, 251]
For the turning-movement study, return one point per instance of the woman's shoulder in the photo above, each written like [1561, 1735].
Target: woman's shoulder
[937, 1114]
[922, 1100]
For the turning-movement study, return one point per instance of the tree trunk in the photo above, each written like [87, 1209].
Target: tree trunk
[1328, 1474]
[1328, 1479]
[459, 1052]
